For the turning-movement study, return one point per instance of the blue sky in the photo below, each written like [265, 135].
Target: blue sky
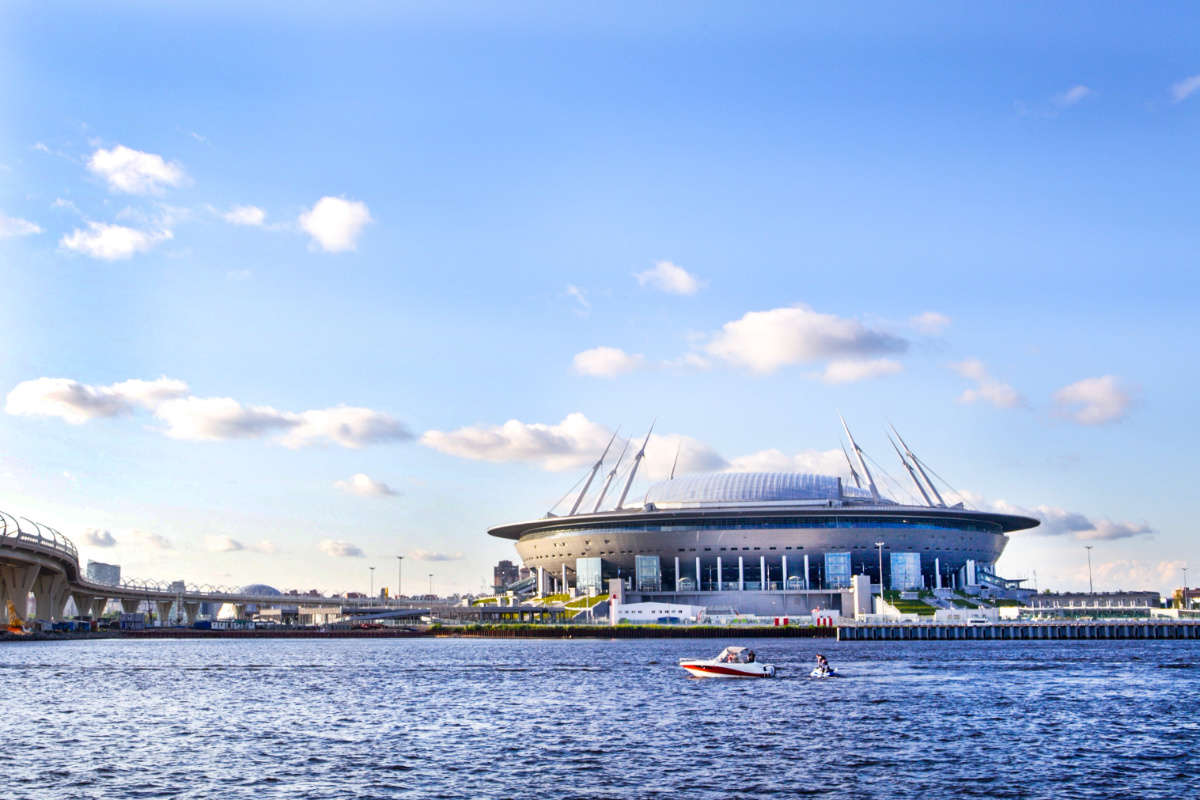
[361, 244]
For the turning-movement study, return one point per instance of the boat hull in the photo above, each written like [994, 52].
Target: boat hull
[709, 669]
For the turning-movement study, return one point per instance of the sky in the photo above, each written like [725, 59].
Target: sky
[288, 296]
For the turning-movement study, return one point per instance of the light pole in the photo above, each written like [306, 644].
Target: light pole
[399, 561]
[879, 547]
[1183, 603]
[372, 592]
[431, 584]
[1088, 547]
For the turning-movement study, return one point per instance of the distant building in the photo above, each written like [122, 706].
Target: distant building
[107, 574]
[1185, 598]
[1097, 604]
[505, 573]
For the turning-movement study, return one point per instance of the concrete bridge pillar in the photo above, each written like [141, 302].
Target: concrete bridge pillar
[83, 603]
[15, 585]
[50, 592]
[164, 612]
[130, 604]
[192, 610]
[98, 606]
[239, 610]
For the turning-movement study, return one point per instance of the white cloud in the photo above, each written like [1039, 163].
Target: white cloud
[987, 389]
[580, 298]
[694, 456]
[346, 426]
[431, 555]
[222, 544]
[688, 361]
[99, 537]
[245, 215]
[365, 486]
[219, 418]
[334, 223]
[848, 371]
[202, 418]
[1073, 95]
[571, 443]
[266, 546]
[764, 341]
[112, 242]
[818, 462]
[78, 402]
[1093, 401]
[150, 540]
[606, 362]
[930, 323]
[134, 172]
[340, 549]
[1185, 88]
[1073, 524]
[670, 278]
[15, 226]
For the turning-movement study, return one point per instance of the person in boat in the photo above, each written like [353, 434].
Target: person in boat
[822, 663]
[750, 657]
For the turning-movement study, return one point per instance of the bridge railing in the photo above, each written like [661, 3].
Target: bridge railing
[27, 531]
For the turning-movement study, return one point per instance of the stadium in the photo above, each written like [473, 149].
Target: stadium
[764, 542]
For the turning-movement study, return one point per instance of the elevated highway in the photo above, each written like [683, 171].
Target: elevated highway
[36, 559]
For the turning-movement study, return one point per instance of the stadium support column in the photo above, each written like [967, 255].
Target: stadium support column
[784, 576]
[697, 573]
[762, 573]
[937, 572]
[677, 573]
[806, 572]
[741, 574]
[719, 578]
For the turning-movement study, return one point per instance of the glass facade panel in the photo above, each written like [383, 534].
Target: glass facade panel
[589, 577]
[837, 570]
[648, 573]
[906, 571]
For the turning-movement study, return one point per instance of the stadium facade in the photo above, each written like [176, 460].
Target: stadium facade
[765, 542]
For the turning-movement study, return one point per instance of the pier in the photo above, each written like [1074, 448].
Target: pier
[1029, 630]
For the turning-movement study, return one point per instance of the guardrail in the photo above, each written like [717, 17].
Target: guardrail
[36, 534]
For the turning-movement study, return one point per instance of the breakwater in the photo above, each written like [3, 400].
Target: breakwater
[1011, 631]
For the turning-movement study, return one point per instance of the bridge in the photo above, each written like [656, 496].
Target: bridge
[36, 559]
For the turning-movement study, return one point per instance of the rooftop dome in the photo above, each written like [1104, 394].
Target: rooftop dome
[261, 589]
[751, 487]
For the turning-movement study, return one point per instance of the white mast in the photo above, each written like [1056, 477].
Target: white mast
[911, 474]
[595, 469]
[920, 469]
[853, 471]
[861, 461]
[611, 474]
[675, 463]
[633, 471]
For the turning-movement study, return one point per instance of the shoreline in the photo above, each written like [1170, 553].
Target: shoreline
[464, 632]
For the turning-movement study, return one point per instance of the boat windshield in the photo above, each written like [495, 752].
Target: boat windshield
[736, 655]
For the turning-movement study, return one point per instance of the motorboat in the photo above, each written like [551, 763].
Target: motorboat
[732, 662]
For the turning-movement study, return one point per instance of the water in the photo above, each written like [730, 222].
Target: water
[452, 718]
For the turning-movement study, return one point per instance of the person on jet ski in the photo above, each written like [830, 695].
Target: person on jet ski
[822, 663]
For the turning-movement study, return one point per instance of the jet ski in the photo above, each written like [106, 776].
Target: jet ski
[818, 672]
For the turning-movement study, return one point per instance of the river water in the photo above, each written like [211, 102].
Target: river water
[452, 718]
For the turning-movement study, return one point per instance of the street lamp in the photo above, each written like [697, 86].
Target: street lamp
[431, 584]
[372, 592]
[399, 561]
[879, 547]
[1091, 589]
